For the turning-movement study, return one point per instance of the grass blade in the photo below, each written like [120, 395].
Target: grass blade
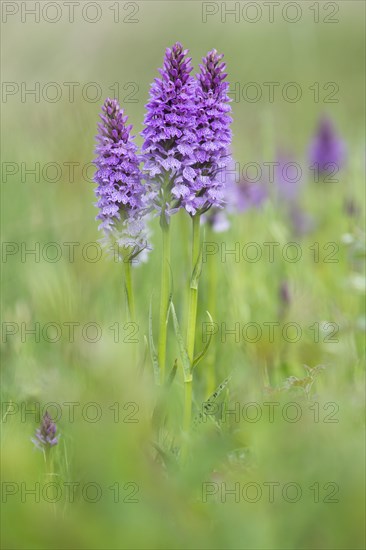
[153, 354]
[182, 348]
[201, 355]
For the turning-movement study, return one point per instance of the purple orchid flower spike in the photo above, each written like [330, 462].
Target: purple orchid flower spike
[187, 135]
[118, 176]
[45, 437]
[169, 132]
[203, 181]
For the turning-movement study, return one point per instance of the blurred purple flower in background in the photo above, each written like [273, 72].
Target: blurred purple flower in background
[351, 208]
[288, 185]
[240, 195]
[285, 293]
[301, 222]
[327, 150]
[46, 435]
[287, 178]
[248, 195]
[218, 220]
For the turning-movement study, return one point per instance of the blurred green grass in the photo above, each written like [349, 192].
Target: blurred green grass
[170, 512]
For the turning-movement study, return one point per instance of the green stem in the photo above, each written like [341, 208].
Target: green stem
[129, 293]
[130, 303]
[212, 301]
[164, 300]
[192, 318]
[187, 410]
[48, 459]
[193, 291]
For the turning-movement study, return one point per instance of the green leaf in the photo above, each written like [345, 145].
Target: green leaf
[170, 293]
[172, 374]
[141, 366]
[197, 269]
[201, 355]
[206, 404]
[182, 348]
[153, 354]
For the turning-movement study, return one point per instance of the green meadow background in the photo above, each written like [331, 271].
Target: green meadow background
[160, 504]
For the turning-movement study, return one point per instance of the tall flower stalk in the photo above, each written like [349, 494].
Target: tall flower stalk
[46, 438]
[206, 177]
[129, 291]
[119, 190]
[164, 297]
[168, 133]
[192, 315]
